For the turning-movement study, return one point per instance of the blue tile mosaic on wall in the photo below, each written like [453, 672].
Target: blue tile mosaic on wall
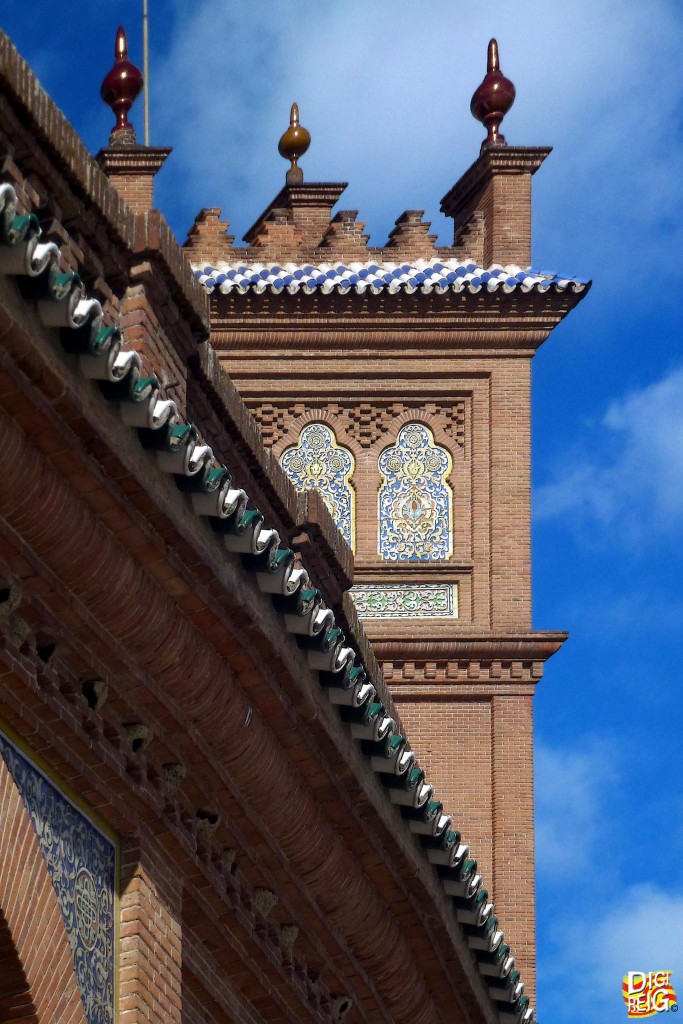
[82, 862]
[318, 461]
[415, 501]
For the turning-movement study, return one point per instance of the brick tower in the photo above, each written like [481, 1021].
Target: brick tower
[396, 380]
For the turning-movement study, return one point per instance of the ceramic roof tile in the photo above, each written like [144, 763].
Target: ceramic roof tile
[433, 275]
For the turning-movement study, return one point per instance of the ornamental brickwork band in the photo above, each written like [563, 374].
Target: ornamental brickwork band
[406, 600]
[363, 422]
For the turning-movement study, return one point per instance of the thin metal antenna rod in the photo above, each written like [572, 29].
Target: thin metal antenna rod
[145, 65]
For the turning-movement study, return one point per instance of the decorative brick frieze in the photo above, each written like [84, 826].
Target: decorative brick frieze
[367, 422]
[454, 415]
[442, 671]
[364, 422]
[274, 420]
[496, 655]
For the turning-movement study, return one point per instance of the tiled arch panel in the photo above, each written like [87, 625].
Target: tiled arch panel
[317, 461]
[415, 502]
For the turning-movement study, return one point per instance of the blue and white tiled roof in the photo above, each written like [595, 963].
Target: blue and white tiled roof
[438, 275]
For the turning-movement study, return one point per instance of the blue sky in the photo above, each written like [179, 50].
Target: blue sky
[384, 90]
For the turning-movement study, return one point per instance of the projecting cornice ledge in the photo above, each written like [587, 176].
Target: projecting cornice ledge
[537, 644]
[474, 660]
[510, 160]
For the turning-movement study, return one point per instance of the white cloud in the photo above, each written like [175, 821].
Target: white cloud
[571, 792]
[599, 929]
[637, 931]
[637, 485]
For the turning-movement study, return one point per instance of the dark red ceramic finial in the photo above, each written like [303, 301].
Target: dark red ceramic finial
[121, 86]
[493, 99]
[294, 144]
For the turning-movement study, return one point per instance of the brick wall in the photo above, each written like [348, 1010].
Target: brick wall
[477, 741]
[150, 980]
[135, 190]
[454, 740]
[513, 824]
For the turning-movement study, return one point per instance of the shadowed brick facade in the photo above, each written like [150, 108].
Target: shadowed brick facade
[180, 660]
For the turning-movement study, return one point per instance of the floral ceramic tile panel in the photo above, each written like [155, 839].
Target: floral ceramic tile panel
[317, 461]
[414, 499]
[406, 600]
[82, 863]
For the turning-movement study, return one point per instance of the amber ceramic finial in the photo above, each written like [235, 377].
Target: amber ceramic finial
[294, 144]
[493, 99]
[120, 89]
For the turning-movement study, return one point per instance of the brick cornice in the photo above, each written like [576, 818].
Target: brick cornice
[487, 662]
[498, 312]
[533, 645]
[495, 160]
[132, 159]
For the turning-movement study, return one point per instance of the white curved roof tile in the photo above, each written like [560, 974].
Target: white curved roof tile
[420, 275]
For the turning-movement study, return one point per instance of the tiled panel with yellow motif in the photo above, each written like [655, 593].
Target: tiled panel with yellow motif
[415, 502]
[318, 461]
